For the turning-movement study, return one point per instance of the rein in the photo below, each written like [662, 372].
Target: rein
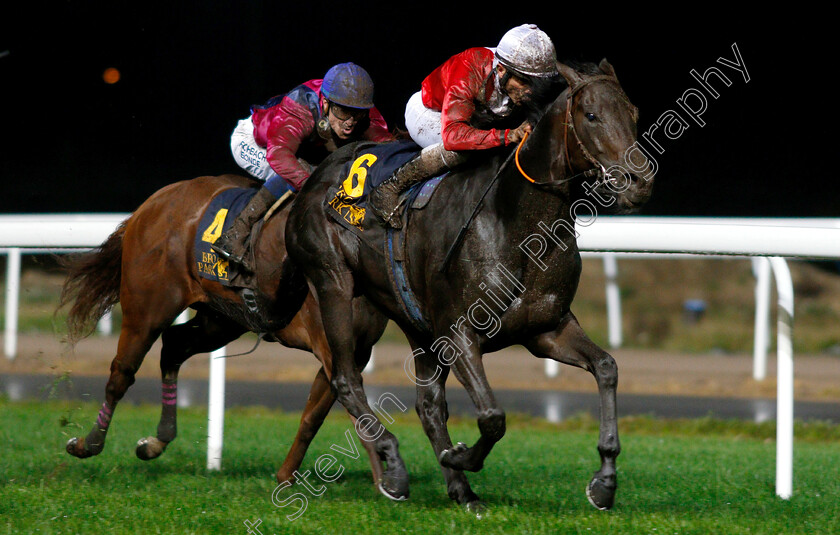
[588, 172]
[460, 237]
[598, 168]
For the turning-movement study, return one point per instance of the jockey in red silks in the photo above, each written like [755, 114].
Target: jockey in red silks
[282, 139]
[461, 103]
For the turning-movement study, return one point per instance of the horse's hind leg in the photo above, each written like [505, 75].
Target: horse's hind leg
[137, 335]
[570, 345]
[307, 331]
[433, 412]
[204, 333]
[318, 405]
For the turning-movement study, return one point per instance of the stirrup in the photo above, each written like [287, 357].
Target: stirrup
[240, 263]
[392, 218]
[221, 252]
[222, 245]
[231, 258]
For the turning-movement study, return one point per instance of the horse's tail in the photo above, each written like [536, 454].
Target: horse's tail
[92, 285]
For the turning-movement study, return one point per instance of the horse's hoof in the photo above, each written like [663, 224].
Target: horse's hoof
[72, 447]
[76, 447]
[477, 508]
[601, 493]
[282, 476]
[457, 458]
[446, 457]
[395, 495]
[150, 448]
[394, 485]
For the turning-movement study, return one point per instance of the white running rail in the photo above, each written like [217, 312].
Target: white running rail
[764, 238]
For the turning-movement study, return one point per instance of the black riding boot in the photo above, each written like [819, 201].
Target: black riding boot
[231, 244]
[384, 200]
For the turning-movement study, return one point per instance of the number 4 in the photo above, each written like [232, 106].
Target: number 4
[215, 229]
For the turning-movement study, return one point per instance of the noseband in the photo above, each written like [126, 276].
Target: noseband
[598, 168]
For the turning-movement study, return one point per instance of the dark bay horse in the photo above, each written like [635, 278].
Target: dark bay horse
[510, 280]
[147, 266]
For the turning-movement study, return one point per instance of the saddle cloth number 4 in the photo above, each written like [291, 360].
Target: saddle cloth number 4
[215, 229]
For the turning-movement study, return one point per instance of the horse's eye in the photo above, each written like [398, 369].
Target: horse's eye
[590, 116]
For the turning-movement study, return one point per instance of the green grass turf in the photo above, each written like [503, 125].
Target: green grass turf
[674, 477]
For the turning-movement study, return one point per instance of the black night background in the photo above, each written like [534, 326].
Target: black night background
[190, 70]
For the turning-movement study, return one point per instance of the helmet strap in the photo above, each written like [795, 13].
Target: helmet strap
[504, 79]
[324, 129]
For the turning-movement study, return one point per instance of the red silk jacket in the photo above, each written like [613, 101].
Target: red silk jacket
[454, 89]
[286, 122]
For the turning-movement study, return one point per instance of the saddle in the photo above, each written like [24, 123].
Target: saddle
[346, 202]
[216, 219]
[370, 165]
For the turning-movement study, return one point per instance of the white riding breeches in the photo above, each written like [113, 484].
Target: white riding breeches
[247, 153]
[422, 123]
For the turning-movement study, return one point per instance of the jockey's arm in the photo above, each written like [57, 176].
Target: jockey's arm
[456, 131]
[467, 81]
[285, 136]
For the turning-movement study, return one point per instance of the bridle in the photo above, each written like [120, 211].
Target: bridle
[598, 168]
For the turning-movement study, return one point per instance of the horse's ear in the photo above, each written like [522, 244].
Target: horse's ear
[572, 76]
[607, 68]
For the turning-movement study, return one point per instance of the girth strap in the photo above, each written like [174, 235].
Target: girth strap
[395, 251]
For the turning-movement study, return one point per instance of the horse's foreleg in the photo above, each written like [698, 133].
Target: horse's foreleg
[321, 399]
[133, 345]
[433, 412]
[204, 333]
[469, 370]
[335, 293]
[570, 345]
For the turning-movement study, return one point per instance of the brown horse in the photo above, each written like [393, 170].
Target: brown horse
[147, 266]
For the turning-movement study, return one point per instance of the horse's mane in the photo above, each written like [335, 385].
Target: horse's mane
[586, 68]
[546, 90]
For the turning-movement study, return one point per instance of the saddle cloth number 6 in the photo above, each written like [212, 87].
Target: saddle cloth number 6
[354, 184]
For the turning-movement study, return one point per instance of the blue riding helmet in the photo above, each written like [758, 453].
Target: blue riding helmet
[348, 85]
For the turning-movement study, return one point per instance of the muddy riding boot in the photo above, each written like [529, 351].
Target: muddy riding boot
[231, 244]
[384, 200]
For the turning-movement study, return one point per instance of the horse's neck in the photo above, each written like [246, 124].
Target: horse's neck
[541, 159]
[516, 199]
[536, 222]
